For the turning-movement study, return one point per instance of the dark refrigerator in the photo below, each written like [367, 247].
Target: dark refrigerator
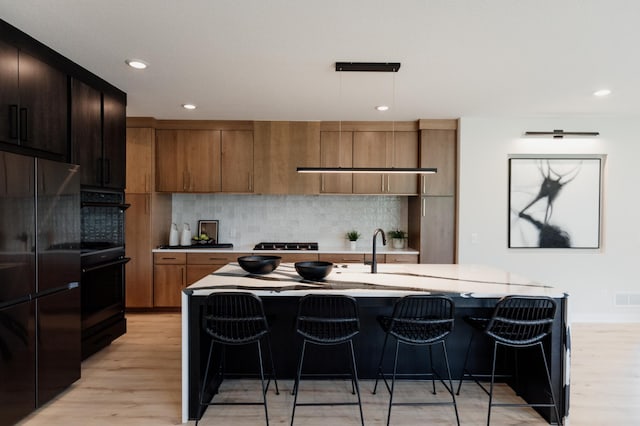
[39, 282]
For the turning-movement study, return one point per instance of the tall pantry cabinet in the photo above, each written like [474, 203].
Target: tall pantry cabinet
[432, 215]
[148, 218]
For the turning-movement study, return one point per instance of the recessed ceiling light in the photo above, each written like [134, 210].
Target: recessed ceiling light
[136, 63]
[382, 108]
[602, 92]
[189, 106]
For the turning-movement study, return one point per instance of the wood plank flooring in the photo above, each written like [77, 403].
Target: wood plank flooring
[136, 381]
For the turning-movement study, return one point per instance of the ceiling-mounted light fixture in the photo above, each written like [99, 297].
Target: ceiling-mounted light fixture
[136, 63]
[391, 170]
[382, 108]
[559, 134]
[368, 66]
[189, 106]
[377, 67]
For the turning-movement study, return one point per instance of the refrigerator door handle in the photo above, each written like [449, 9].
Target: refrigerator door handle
[104, 265]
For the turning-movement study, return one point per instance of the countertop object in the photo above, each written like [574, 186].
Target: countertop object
[313, 271]
[259, 264]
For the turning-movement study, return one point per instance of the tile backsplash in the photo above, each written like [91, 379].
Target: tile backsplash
[245, 220]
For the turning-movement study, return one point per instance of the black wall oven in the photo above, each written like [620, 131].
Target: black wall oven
[103, 262]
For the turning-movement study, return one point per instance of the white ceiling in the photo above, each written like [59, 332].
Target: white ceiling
[274, 59]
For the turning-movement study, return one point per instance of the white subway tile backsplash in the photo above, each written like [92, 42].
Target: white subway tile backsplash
[245, 220]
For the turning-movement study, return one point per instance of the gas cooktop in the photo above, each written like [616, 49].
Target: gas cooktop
[286, 246]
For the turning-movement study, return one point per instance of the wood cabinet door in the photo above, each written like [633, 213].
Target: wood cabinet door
[197, 272]
[114, 136]
[201, 160]
[43, 106]
[336, 150]
[86, 132]
[9, 95]
[236, 162]
[405, 154]
[438, 235]
[438, 149]
[188, 160]
[169, 164]
[281, 147]
[139, 271]
[371, 149]
[139, 159]
[168, 282]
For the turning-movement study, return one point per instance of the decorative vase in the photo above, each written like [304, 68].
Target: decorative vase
[398, 243]
[352, 244]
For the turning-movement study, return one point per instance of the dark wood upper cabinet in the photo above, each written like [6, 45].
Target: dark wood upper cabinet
[98, 136]
[33, 102]
[114, 137]
[86, 131]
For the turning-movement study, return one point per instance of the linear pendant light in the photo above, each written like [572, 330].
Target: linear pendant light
[368, 67]
[391, 170]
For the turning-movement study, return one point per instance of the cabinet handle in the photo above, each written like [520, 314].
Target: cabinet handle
[388, 183]
[168, 258]
[424, 207]
[184, 180]
[23, 125]
[13, 121]
[250, 182]
[382, 187]
[218, 258]
[321, 183]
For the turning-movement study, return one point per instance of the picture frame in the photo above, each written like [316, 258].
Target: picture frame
[209, 227]
[555, 202]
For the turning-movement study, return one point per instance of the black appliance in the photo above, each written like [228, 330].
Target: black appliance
[286, 246]
[39, 282]
[103, 276]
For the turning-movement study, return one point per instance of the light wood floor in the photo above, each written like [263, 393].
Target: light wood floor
[136, 381]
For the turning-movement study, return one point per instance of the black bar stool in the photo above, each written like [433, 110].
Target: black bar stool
[517, 322]
[236, 318]
[327, 320]
[419, 320]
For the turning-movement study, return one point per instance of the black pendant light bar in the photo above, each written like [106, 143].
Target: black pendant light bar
[391, 170]
[559, 134]
[368, 66]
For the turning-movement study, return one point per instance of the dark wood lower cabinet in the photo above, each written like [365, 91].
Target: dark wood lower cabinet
[432, 228]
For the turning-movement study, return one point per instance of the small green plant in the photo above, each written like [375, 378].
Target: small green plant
[353, 235]
[397, 233]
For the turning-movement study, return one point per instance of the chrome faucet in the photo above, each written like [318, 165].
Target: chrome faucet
[374, 263]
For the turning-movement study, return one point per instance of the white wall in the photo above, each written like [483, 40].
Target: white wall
[592, 278]
[246, 220]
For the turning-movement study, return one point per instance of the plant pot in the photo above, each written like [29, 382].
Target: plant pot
[353, 244]
[397, 243]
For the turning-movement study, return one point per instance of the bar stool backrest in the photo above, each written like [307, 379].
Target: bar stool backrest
[234, 318]
[327, 319]
[422, 319]
[521, 320]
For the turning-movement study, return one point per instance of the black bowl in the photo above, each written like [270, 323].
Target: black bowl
[259, 264]
[314, 271]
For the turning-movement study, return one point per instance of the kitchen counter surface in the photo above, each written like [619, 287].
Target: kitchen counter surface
[325, 250]
[391, 280]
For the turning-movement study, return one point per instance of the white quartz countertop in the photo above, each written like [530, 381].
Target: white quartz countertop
[392, 280]
[380, 249]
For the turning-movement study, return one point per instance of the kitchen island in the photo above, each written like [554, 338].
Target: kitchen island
[474, 289]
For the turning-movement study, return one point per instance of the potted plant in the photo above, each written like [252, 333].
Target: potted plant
[353, 236]
[398, 238]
